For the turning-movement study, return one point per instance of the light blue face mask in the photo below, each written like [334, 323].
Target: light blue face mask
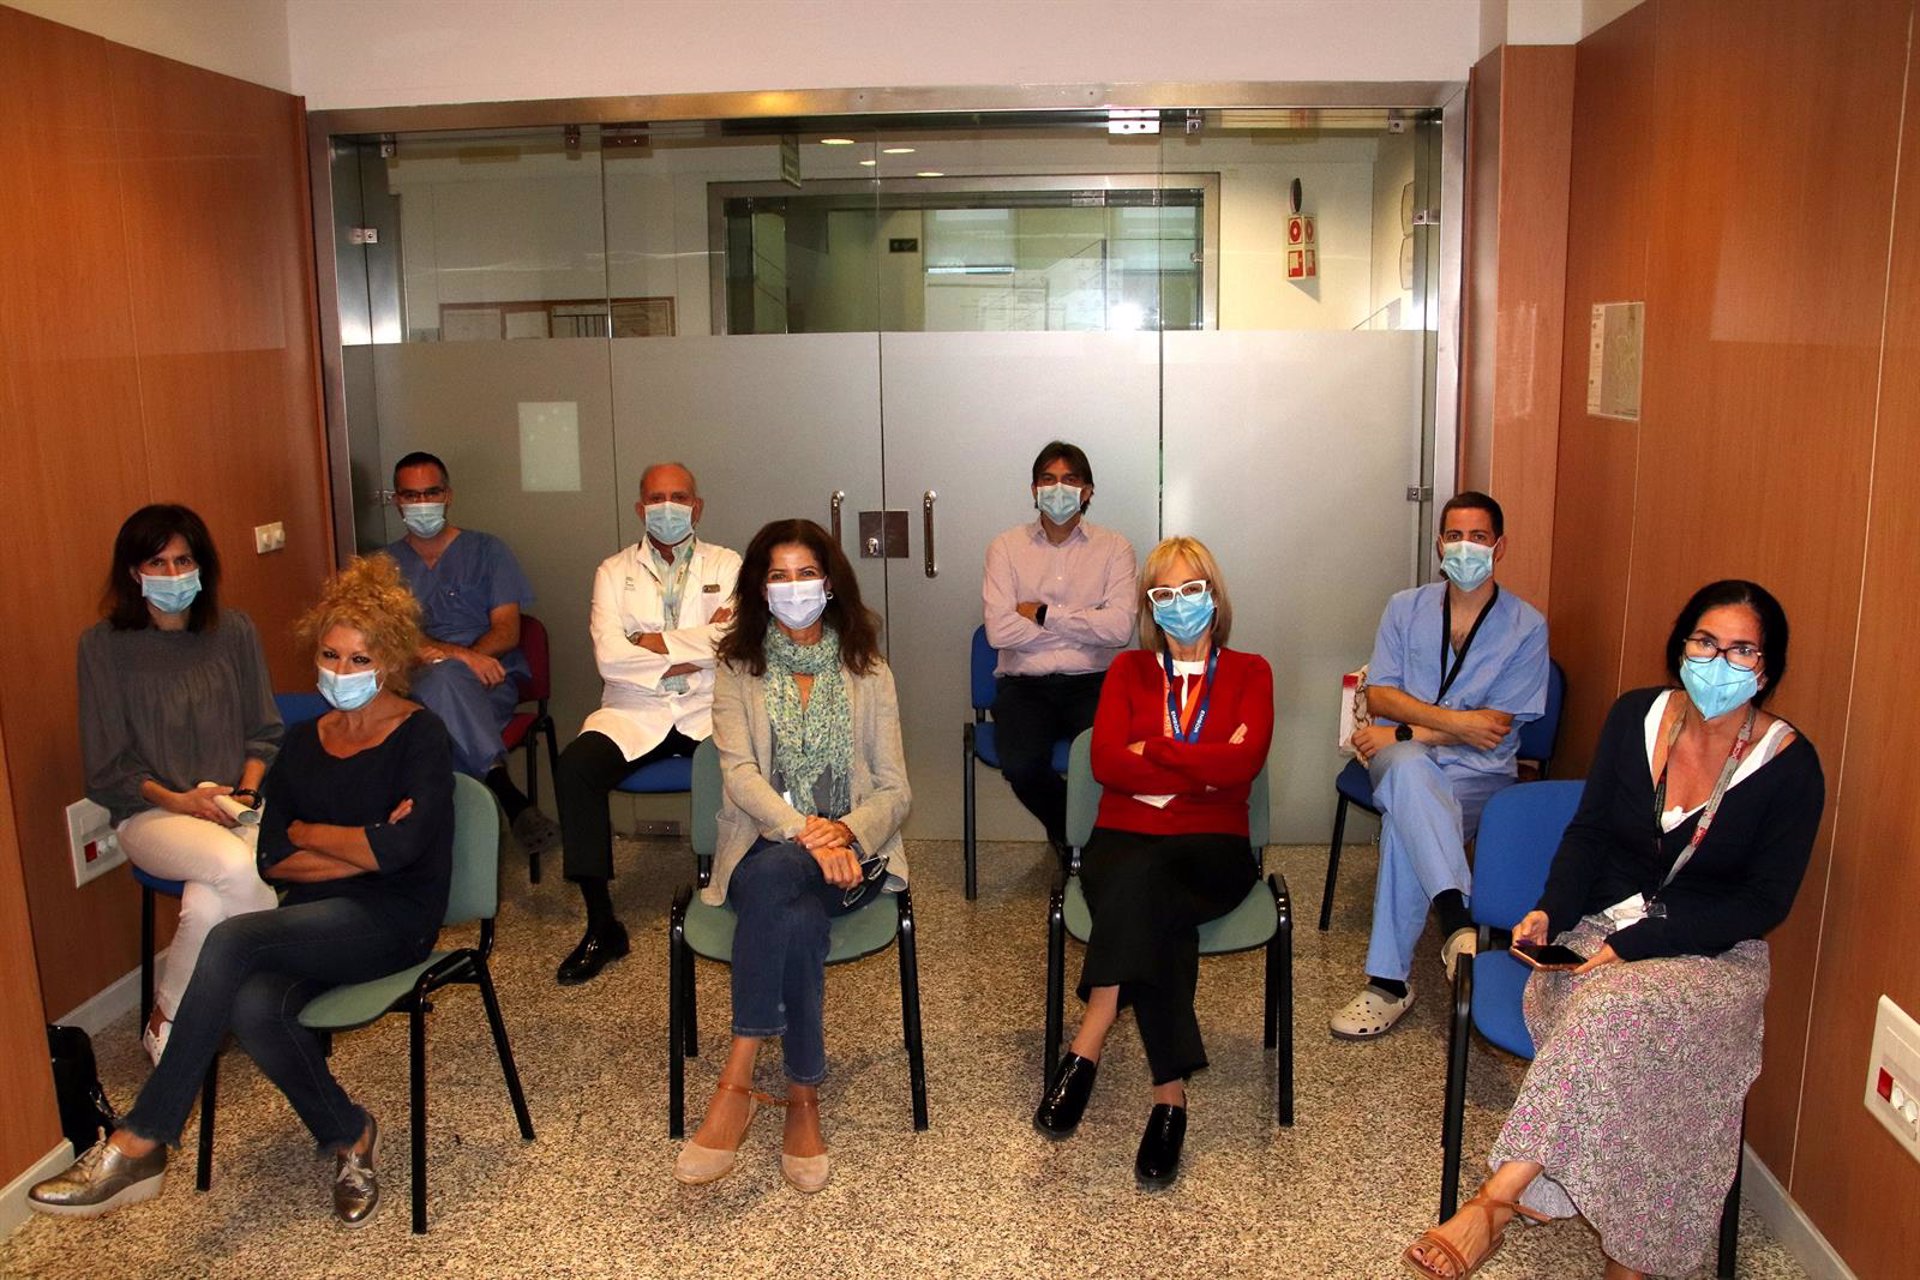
[171, 595]
[1185, 617]
[424, 519]
[1716, 685]
[351, 691]
[1468, 564]
[669, 523]
[1058, 502]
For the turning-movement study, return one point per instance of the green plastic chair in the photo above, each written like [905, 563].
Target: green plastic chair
[1264, 918]
[696, 929]
[478, 831]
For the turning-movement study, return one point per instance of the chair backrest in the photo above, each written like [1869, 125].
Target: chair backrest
[1519, 831]
[477, 832]
[1083, 799]
[985, 659]
[533, 643]
[705, 818]
[1537, 737]
[298, 708]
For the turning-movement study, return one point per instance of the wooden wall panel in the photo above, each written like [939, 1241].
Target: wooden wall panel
[1611, 185]
[29, 1118]
[1480, 268]
[1848, 1172]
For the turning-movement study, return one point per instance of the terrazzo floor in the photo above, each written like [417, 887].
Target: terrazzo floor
[978, 1194]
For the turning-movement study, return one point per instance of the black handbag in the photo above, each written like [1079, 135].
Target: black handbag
[84, 1109]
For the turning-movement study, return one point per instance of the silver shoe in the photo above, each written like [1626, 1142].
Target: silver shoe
[100, 1181]
[356, 1189]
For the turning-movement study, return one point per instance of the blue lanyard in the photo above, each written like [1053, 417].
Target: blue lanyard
[1206, 698]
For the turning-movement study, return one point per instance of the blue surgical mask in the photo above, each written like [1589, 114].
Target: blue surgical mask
[1185, 617]
[1058, 502]
[424, 519]
[1468, 564]
[351, 691]
[669, 523]
[171, 595]
[1716, 685]
[798, 604]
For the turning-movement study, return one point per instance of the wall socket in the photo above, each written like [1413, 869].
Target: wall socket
[269, 537]
[91, 841]
[1893, 1075]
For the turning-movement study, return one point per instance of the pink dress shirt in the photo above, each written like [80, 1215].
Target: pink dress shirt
[1087, 584]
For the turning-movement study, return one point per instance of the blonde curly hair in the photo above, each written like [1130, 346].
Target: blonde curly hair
[371, 596]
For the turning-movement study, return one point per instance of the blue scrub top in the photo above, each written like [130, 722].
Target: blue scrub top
[1506, 666]
[476, 574]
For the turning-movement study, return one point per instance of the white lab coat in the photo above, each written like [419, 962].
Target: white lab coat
[628, 597]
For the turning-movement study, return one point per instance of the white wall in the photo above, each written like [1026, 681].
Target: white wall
[351, 53]
[1595, 14]
[242, 38]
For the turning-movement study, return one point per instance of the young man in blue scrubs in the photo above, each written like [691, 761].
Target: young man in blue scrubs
[471, 592]
[1458, 665]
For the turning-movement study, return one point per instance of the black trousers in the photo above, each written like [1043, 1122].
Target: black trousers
[1030, 714]
[1149, 895]
[590, 768]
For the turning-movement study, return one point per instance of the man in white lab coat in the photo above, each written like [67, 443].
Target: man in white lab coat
[658, 607]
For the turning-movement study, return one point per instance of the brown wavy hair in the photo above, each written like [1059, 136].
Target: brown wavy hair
[371, 596]
[744, 643]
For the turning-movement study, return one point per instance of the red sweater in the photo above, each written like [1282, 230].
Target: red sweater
[1133, 708]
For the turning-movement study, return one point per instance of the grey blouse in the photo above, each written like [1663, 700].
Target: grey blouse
[180, 707]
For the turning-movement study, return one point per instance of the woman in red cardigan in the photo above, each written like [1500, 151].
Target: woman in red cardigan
[1182, 731]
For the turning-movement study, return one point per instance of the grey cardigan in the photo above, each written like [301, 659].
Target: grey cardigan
[751, 808]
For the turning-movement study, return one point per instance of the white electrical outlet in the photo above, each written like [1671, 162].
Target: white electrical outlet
[269, 537]
[91, 840]
[1893, 1075]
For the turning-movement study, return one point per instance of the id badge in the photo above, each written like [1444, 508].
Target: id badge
[1627, 910]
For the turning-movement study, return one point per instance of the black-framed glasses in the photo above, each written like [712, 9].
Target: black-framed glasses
[1166, 595]
[435, 494]
[1740, 654]
[873, 869]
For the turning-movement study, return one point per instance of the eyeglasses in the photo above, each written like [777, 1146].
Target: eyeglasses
[434, 494]
[1190, 590]
[1701, 648]
[872, 870]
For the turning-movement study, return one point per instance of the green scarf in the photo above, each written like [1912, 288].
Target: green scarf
[815, 739]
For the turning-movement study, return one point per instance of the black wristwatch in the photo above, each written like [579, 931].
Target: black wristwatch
[1040, 616]
[1403, 733]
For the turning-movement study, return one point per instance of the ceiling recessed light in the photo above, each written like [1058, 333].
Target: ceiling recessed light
[836, 142]
[868, 164]
[930, 173]
[897, 151]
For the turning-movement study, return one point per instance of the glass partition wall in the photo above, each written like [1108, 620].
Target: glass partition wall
[876, 322]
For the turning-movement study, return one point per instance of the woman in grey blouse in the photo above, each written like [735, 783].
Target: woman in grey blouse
[177, 728]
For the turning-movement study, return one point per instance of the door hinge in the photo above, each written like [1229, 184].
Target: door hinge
[363, 235]
[1419, 493]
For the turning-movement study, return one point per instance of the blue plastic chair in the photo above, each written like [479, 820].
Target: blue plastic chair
[1264, 918]
[1519, 834]
[473, 896]
[295, 708]
[697, 929]
[977, 742]
[1355, 784]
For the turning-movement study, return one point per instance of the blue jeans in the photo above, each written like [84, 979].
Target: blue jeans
[784, 907]
[473, 713]
[256, 973]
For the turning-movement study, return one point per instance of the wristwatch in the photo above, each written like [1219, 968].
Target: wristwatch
[1403, 733]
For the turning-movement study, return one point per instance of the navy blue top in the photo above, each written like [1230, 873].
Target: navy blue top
[475, 575]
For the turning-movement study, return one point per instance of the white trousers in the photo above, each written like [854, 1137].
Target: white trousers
[217, 865]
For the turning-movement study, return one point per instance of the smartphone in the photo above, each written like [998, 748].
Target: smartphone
[1545, 955]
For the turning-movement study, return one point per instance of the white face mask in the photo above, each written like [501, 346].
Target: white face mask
[798, 604]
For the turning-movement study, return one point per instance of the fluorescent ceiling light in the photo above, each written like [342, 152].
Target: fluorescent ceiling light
[897, 151]
[868, 164]
[836, 142]
[930, 173]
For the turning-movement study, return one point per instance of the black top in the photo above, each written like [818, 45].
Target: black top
[1739, 884]
[415, 854]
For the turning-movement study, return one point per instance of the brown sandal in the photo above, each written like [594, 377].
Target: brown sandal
[697, 1165]
[1459, 1267]
[805, 1173]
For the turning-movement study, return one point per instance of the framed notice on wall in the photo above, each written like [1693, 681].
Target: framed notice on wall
[1613, 361]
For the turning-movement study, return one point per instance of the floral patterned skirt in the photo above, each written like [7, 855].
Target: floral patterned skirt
[1633, 1101]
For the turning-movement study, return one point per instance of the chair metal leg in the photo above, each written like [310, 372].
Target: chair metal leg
[417, 1070]
[553, 745]
[1730, 1215]
[910, 1009]
[678, 960]
[209, 1093]
[1056, 979]
[968, 835]
[146, 958]
[1280, 958]
[533, 797]
[491, 999]
[690, 1000]
[1333, 862]
[1453, 1113]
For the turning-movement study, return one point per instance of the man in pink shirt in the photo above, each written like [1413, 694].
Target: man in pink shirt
[1059, 597]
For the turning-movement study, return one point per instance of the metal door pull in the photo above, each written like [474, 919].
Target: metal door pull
[926, 512]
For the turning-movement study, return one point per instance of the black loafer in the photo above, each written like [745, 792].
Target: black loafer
[599, 946]
[1158, 1163]
[1066, 1097]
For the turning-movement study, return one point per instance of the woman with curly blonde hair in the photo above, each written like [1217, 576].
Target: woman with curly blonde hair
[358, 829]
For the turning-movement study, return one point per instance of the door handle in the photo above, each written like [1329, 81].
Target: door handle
[926, 512]
[833, 505]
